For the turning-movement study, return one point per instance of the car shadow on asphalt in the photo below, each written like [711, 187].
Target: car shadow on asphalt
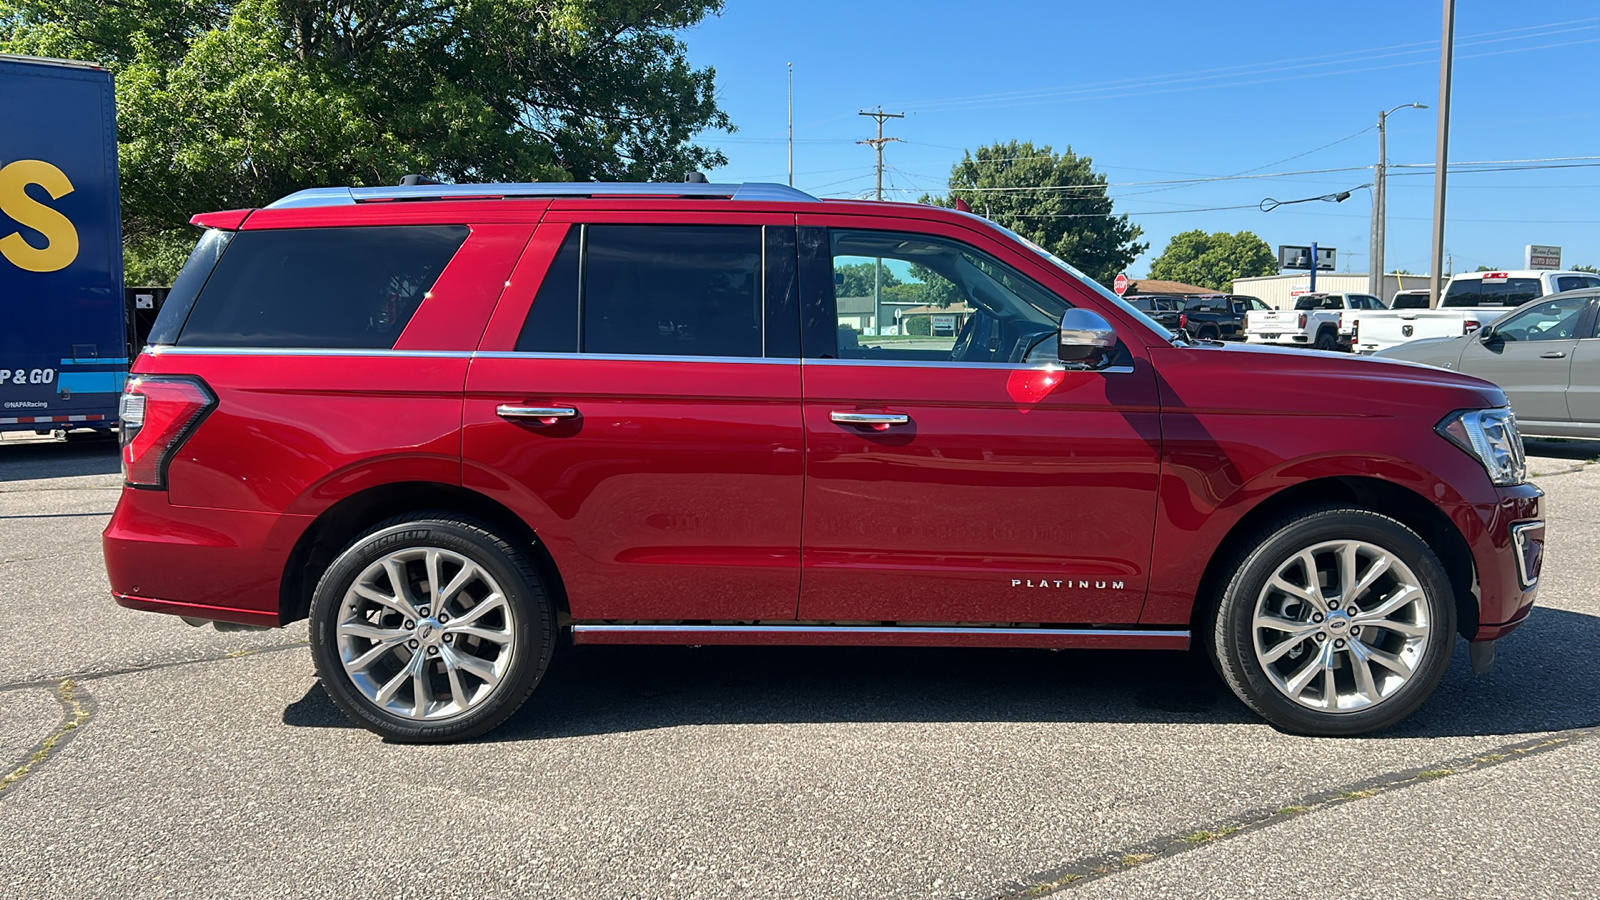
[25, 461]
[1540, 683]
[1562, 449]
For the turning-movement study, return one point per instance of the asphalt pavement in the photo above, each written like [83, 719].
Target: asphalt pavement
[140, 757]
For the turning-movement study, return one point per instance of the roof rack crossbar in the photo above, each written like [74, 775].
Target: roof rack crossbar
[551, 189]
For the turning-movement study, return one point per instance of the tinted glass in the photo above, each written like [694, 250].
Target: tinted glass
[1511, 292]
[180, 300]
[672, 290]
[915, 297]
[783, 294]
[552, 325]
[1556, 320]
[346, 288]
[1462, 293]
[1410, 301]
[1576, 282]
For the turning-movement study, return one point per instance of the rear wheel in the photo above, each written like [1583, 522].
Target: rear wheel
[1340, 622]
[1327, 340]
[1209, 334]
[431, 628]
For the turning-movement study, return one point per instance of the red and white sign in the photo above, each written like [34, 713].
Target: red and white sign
[1492, 277]
[1120, 285]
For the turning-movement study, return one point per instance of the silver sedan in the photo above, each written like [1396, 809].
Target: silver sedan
[1545, 355]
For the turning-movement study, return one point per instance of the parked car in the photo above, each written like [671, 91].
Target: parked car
[1317, 320]
[1161, 309]
[1471, 300]
[1545, 355]
[450, 424]
[1219, 317]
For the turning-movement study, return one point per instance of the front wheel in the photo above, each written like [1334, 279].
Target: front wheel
[431, 628]
[1340, 622]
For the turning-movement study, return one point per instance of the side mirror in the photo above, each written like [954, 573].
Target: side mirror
[1087, 339]
[1486, 335]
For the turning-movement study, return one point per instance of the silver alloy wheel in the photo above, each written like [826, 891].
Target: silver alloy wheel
[426, 633]
[1341, 625]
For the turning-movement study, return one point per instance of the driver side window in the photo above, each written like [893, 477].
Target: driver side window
[1556, 320]
[920, 298]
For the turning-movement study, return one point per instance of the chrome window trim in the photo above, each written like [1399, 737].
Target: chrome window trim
[877, 629]
[633, 357]
[1518, 538]
[174, 350]
[957, 364]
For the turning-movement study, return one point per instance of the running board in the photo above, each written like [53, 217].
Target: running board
[884, 636]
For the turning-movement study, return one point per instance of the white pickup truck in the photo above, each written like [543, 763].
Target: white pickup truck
[1471, 301]
[1317, 320]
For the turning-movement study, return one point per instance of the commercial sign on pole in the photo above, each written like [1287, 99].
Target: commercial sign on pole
[1292, 257]
[1536, 256]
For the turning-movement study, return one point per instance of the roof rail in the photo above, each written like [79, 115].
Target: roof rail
[344, 196]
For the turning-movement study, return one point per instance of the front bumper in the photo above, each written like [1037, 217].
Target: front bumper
[1507, 541]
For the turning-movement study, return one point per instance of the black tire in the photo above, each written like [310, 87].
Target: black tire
[1209, 334]
[1327, 340]
[526, 617]
[1234, 643]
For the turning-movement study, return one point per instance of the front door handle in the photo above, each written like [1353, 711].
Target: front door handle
[1554, 354]
[541, 415]
[880, 421]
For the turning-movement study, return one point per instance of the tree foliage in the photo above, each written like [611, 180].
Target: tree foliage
[1214, 260]
[1591, 269]
[1055, 200]
[234, 103]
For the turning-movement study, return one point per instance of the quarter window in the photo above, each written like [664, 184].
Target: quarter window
[344, 288]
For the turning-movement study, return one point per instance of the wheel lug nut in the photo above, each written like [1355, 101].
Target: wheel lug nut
[1333, 607]
[412, 643]
[423, 612]
[449, 639]
[410, 624]
[433, 651]
[1315, 617]
[1321, 637]
[443, 618]
[1339, 642]
[1355, 631]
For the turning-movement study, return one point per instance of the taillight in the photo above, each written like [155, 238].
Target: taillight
[1355, 330]
[1468, 326]
[1183, 320]
[158, 414]
[1302, 320]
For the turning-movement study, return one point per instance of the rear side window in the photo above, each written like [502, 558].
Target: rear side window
[342, 288]
[1576, 282]
[672, 290]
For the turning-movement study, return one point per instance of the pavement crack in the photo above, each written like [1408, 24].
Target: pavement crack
[150, 667]
[77, 707]
[1086, 869]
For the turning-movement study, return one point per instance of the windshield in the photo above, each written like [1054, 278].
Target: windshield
[1067, 267]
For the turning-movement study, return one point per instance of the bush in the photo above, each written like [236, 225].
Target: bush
[919, 325]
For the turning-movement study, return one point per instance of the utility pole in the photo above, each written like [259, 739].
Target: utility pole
[791, 124]
[1380, 204]
[1441, 162]
[877, 269]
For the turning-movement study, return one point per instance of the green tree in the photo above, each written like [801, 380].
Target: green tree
[1214, 260]
[857, 280]
[234, 103]
[1487, 269]
[1590, 269]
[1055, 200]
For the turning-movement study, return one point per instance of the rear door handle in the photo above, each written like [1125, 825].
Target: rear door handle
[542, 415]
[876, 420]
[1554, 354]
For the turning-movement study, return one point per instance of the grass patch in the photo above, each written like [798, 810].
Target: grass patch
[1133, 859]
[1204, 835]
[1292, 810]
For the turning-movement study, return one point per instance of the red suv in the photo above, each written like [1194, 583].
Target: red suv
[451, 424]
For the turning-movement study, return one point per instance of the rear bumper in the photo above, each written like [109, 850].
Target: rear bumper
[1507, 541]
[224, 565]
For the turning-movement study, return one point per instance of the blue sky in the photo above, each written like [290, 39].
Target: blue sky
[1156, 91]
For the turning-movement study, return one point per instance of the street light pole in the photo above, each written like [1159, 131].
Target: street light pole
[1380, 204]
[1441, 160]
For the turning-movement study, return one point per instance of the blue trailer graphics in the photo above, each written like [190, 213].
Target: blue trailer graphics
[63, 344]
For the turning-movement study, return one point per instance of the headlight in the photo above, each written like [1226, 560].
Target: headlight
[1490, 435]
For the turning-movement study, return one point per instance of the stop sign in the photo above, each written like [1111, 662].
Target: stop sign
[1120, 285]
